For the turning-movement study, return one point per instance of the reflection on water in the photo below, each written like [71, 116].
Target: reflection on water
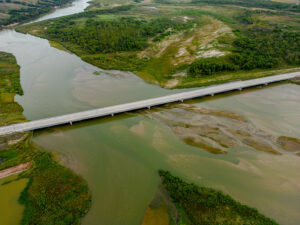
[120, 157]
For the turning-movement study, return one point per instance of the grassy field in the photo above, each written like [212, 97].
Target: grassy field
[178, 202]
[165, 57]
[53, 194]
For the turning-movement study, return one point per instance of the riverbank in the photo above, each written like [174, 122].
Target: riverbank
[147, 103]
[179, 47]
[296, 80]
[178, 202]
[14, 13]
[14, 170]
[54, 194]
[99, 150]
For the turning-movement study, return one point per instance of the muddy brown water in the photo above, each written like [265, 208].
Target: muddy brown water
[119, 157]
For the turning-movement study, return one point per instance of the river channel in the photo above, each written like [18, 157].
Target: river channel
[119, 156]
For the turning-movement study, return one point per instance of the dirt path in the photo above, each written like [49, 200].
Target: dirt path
[14, 170]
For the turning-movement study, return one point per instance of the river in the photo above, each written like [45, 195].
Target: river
[119, 157]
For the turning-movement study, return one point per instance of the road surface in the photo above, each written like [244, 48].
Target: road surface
[148, 103]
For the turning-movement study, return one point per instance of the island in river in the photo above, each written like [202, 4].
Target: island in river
[53, 193]
[178, 202]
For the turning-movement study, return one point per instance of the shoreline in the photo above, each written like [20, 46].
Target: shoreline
[143, 104]
[33, 19]
[15, 170]
[18, 155]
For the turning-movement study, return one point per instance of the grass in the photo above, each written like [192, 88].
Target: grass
[126, 61]
[213, 32]
[9, 87]
[57, 45]
[218, 16]
[95, 4]
[54, 194]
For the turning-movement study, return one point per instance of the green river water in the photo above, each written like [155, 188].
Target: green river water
[119, 156]
[10, 190]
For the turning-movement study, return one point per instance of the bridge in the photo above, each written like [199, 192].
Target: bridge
[143, 104]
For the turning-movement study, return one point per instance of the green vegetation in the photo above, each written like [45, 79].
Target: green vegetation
[260, 50]
[183, 43]
[107, 36]
[267, 4]
[255, 4]
[9, 72]
[254, 49]
[210, 66]
[54, 194]
[10, 111]
[264, 46]
[257, 46]
[202, 205]
[21, 11]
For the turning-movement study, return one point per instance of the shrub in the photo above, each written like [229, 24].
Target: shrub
[210, 66]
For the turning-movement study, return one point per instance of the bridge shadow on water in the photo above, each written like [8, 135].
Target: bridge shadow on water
[127, 115]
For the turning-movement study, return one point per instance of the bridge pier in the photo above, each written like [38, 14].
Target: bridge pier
[142, 104]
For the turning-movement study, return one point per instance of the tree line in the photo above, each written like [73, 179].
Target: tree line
[267, 4]
[257, 46]
[31, 10]
[106, 36]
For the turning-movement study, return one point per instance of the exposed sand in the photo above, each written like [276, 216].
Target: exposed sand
[15, 169]
[138, 129]
[171, 83]
[289, 144]
[217, 131]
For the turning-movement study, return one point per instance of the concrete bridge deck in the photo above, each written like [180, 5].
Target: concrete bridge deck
[148, 103]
